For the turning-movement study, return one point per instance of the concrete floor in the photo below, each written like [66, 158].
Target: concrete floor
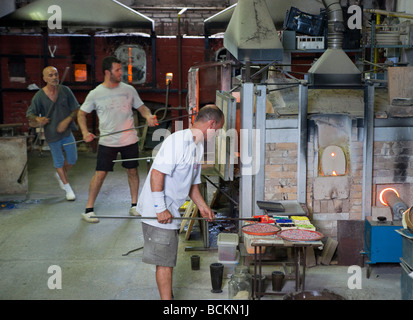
[43, 230]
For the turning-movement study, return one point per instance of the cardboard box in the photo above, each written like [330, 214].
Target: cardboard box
[400, 79]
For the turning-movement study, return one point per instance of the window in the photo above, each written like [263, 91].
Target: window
[17, 72]
[80, 72]
[133, 60]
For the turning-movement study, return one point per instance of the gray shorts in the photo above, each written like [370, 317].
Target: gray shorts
[160, 247]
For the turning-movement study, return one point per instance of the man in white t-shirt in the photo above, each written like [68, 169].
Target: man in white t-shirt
[113, 102]
[175, 174]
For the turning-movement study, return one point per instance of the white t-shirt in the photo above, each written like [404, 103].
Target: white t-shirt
[114, 109]
[179, 158]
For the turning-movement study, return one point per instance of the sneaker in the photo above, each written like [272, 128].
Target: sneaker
[133, 212]
[89, 217]
[61, 185]
[70, 195]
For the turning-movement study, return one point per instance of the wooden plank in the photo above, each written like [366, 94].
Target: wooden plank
[188, 212]
[328, 251]
[191, 223]
[310, 257]
[214, 199]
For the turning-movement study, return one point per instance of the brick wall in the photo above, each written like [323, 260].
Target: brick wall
[166, 20]
[281, 171]
[392, 165]
[16, 96]
[165, 13]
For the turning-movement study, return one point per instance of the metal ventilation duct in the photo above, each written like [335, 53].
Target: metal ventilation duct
[251, 35]
[334, 67]
[93, 14]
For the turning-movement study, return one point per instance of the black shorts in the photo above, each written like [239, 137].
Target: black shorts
[106, 155]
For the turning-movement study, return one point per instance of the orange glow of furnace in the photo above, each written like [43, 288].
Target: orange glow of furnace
[385, 190]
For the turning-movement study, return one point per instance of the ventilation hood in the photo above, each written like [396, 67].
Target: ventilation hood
[98, 14]
[251, 35]
[334, 67]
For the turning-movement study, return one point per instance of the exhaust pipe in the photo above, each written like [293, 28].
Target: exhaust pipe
[334, 67]
[335, 24]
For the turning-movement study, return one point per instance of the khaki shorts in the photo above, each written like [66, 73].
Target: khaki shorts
[161, 246]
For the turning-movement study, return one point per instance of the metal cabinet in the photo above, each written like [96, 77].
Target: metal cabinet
[382, 243]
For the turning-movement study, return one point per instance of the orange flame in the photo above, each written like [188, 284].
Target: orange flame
[130, 66]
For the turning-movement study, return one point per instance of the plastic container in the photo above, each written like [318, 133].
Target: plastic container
[227, 246]
[230, 266]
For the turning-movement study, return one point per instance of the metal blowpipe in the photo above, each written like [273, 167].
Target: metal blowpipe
[138, 127]
[180, 218]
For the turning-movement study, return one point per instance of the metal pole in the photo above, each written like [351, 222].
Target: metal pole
[138, 127]
[368, 150]
[259, 147]
[134, 159]
[177, 218]
[223, 192]
[302, 144]
[246, 149]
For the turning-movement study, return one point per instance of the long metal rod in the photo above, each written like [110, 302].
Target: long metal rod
[223, 192]
[138, 127]
[177, 218]
[390, 14]
[133, 159]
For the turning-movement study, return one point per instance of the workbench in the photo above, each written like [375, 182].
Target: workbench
[296, 246]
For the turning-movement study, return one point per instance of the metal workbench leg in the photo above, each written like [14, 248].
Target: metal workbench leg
[260, 272]
[255, 273]
[304, 266]
[297, 269]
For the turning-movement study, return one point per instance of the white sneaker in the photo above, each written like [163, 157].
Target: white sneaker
[61, 185]
[89, 217]
[133, 212]
[70, 195]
